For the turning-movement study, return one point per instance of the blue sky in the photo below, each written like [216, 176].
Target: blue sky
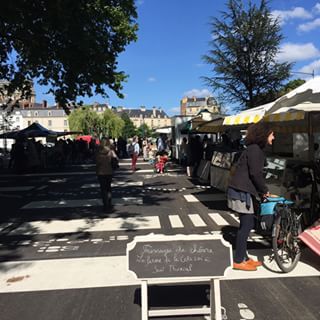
[165, 63]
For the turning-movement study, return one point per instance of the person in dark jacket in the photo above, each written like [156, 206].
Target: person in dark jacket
[104, 172]
[247, 184]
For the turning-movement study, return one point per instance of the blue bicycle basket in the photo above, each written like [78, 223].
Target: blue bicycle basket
[268, 206]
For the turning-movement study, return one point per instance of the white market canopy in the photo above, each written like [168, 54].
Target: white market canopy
[252, 115]
[291, 106]
[295, 113]
[309, 92]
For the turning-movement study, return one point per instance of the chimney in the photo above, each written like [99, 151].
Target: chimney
[142, 108]
[44, 104]
[154, 111]
[58, 105]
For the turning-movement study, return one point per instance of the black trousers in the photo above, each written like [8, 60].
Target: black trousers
[105, 187]
[246, 224]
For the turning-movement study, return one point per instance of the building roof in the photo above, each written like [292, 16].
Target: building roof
[146, 113]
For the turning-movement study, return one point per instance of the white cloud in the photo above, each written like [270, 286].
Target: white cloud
[297, 52]
[309, 25]
[294, 13]
[311, 67]
[316, 8]
[152, 79]
[197, 93]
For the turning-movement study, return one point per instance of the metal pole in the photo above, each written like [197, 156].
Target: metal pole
[144, 300]
[215, 299]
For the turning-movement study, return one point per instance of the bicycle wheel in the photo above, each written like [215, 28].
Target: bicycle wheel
[285, 243]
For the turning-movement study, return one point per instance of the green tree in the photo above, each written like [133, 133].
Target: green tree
[144, 131]
[112, 124]
[291, 85]
[85, 120]
[243, 55]
[129, 129]
[90, 122]
[70, 46]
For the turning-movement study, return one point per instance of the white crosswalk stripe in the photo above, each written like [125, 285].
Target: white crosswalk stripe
[81, 203]
[114, 184]
[84, 225]
[217, 218]
[205, 197]
[175, 221]
[197, 220]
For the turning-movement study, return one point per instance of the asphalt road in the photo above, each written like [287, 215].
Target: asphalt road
[62, 258]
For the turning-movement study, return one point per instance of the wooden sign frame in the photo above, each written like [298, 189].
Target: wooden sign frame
[214, 310]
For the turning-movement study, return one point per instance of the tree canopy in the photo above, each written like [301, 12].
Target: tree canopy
[70, 46]
[89, 122]
[243, 53]
[129, 129]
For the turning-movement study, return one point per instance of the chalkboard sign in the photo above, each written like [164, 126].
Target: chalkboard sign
[179, 256]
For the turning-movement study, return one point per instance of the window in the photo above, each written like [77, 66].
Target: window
[29, 123]
[49, 113]
[35, 113]
[49, 123]
[65, 123]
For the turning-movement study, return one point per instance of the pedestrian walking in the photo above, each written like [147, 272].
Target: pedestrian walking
[135, 155]
[246, 186]
[104, 172]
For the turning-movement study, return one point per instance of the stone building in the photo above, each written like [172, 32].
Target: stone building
[192, 106]
[154, 118]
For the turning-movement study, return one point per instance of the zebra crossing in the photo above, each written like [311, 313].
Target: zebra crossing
[114, 222]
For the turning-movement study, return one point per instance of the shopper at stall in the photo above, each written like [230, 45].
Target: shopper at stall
[246, 187]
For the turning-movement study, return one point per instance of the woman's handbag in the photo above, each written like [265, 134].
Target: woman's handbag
[114, 163]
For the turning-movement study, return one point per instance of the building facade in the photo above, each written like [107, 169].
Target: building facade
[192, 106]
[54, 118]
[154, 118]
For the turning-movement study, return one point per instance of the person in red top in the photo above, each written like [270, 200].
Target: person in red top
[135, 154]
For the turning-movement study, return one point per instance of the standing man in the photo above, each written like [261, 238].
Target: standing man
[135, 155]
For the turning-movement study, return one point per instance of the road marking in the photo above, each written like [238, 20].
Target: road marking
[197, 220]
[42, 187]
[235, 217]
[190, 198]
[81, 203]
[95, 272]
[217, 219]
[211, 197]
[205, 197]
[175, 221]
[21, 188]
[115, 184]
[85, 225]
[152, 170]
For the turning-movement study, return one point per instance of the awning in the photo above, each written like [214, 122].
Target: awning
[252, 115]
[294, 113]
[166, 130]
[35, 130]
[212, 126]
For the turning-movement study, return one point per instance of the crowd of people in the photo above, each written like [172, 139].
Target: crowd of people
[31, 155]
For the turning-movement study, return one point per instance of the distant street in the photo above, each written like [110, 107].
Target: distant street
[63, 258]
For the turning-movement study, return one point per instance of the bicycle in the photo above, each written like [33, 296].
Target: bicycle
[285, 224]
